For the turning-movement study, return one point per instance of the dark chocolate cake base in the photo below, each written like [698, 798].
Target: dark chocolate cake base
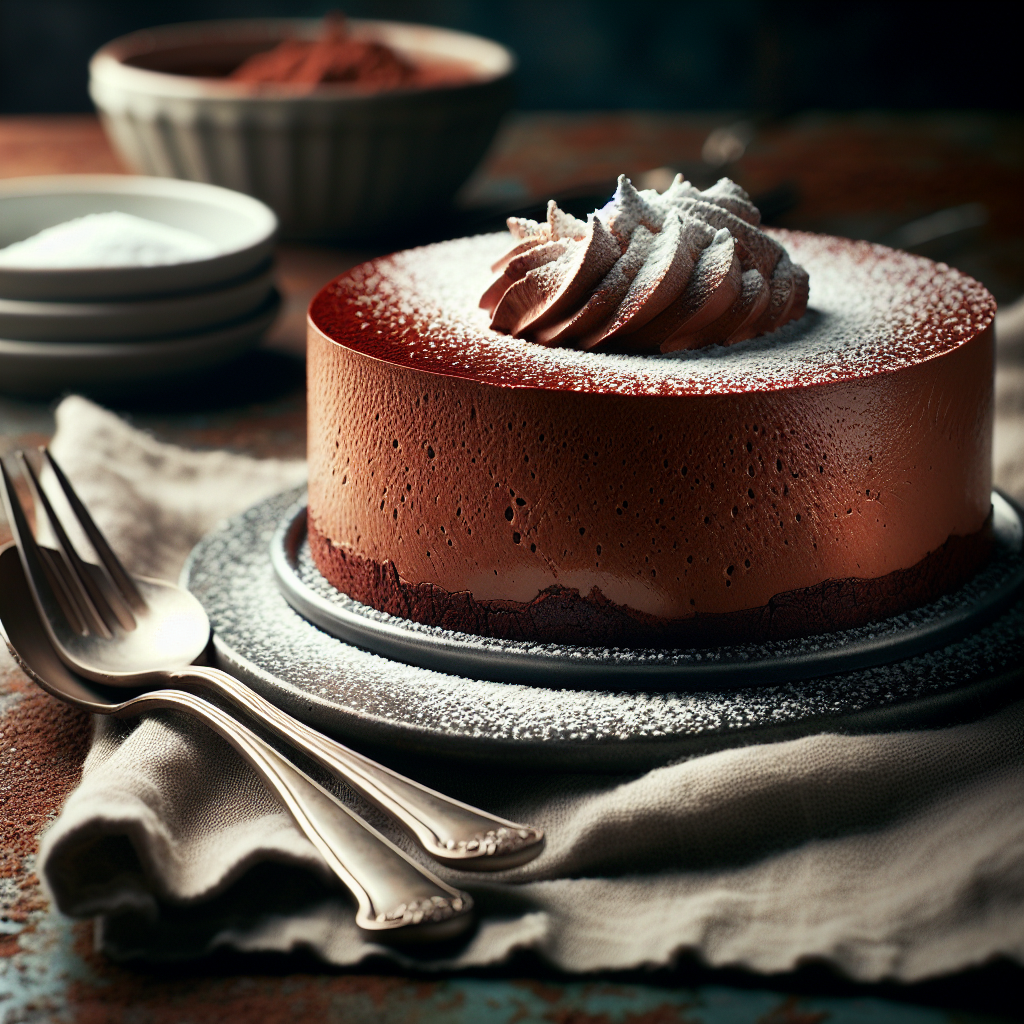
[564, 616]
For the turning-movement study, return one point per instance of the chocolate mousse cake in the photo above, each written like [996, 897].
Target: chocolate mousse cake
[664, 425]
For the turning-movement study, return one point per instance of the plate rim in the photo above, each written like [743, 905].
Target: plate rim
[33, 369]
[704, 668]
[398, 739]
[66, 320]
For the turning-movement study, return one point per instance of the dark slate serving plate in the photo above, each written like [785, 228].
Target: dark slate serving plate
[428, 691]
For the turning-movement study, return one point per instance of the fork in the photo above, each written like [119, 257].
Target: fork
[120, 630]
[396, 898]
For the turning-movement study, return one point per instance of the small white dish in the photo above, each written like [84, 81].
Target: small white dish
[47, 368]
[242, 228]
[135, 319]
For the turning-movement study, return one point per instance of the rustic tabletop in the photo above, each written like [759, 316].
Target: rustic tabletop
[865, 176]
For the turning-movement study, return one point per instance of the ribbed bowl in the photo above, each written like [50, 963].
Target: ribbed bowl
[331, 161]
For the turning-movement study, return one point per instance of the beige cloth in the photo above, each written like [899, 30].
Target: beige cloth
[1008, 449]
[888, 856]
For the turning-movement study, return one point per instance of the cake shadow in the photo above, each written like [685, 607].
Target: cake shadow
[259, 376]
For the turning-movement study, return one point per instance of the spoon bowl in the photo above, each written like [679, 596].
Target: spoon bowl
[171, 632]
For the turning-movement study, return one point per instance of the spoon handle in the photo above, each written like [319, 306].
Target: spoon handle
[392, 891]
[452, 832]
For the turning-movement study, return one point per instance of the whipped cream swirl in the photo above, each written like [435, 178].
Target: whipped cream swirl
[648, 272]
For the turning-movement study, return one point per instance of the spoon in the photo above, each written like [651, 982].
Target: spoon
[120, 630]
[394, 894]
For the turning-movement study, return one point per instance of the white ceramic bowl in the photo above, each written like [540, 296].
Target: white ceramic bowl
[161, 317]
[241, 228]
[332, 162]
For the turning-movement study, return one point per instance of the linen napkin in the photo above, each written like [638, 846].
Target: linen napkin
[889, 856]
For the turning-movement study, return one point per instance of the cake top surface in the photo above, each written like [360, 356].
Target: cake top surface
[871, 310]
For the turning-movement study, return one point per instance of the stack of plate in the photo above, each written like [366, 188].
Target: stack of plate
[104, 328]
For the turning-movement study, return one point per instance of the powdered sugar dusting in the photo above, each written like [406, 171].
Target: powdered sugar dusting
[871, 310]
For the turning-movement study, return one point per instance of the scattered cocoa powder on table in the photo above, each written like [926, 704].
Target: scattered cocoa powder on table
[42, 746]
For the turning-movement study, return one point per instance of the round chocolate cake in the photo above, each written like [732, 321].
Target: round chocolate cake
[647, 430]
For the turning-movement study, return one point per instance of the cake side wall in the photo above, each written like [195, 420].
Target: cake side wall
[670, 507]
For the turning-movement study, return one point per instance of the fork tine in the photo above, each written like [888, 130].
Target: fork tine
[56, 571]
[36, 565]
[111, 612]
[118, 574]
[61, 560]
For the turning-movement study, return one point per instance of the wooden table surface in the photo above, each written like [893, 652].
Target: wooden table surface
[858, 175]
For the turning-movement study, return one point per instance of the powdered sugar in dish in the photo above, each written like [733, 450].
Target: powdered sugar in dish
[112, 239]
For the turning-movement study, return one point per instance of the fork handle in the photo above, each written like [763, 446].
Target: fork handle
[392, 891]
[452, 832]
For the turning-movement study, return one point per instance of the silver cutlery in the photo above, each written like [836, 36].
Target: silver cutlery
[394, 894]
[120, 630]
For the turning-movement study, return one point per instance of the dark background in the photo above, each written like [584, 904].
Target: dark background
[599, 54]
